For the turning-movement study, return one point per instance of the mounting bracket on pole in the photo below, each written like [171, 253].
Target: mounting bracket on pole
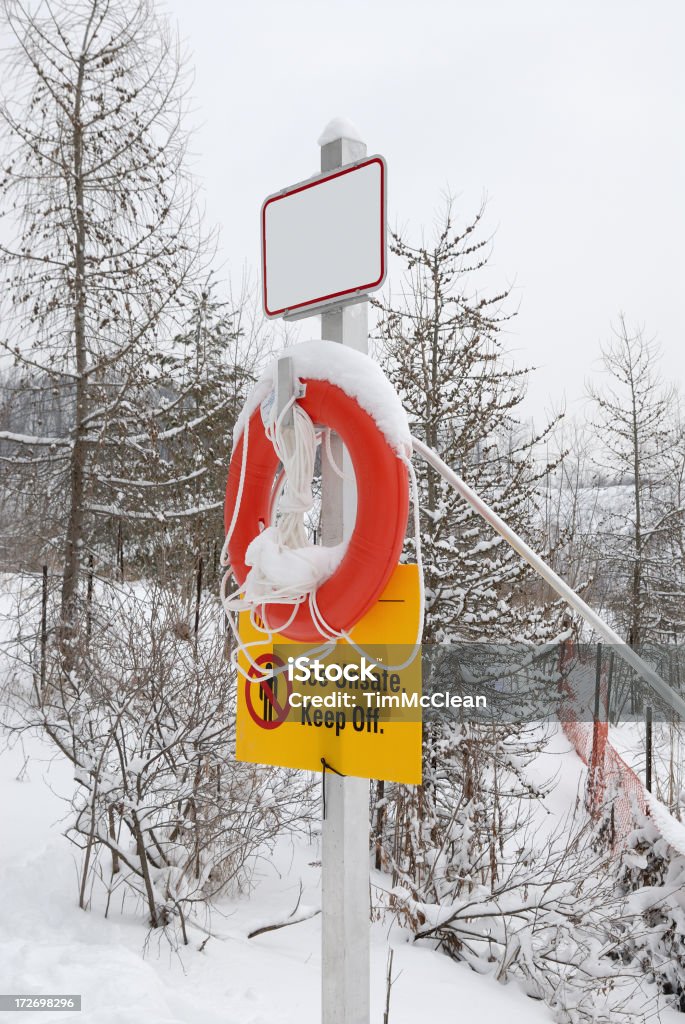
[285, 388]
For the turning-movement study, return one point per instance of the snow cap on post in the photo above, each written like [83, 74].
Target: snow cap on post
[339, 128]
[341, 144]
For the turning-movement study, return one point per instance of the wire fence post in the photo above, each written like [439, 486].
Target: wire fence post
[380, 821]
[598, 682]
[648, 731]
[599, 732]
[120, 551]
[43, 631]
[89, 601]
[198, 595]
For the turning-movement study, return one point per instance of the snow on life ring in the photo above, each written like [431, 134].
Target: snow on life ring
[381, 521]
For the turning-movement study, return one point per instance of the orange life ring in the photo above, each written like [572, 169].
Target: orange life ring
[380, 526]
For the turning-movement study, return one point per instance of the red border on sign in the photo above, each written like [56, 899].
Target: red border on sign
[320, 299]
[253, 681]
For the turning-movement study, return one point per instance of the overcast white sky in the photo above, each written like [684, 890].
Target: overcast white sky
[568, 116]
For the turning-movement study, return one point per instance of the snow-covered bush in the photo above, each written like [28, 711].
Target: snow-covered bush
[652, 877]
[508, 896]
[147, 717]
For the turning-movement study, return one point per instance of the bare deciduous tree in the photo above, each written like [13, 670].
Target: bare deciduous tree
[635, 431]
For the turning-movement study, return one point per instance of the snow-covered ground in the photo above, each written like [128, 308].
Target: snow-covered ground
[127, 975]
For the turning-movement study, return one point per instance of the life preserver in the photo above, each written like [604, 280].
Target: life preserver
[381, 521]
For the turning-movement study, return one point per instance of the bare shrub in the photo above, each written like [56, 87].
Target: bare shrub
[147, 717]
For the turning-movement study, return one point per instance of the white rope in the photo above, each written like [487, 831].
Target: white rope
[329, 454]
[283, 569]
[295, 447]
[239, 497]
[343, 635]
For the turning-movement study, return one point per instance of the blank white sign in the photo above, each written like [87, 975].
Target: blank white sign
[324, 240]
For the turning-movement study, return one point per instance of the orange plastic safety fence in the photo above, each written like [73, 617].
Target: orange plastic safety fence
[613, 790]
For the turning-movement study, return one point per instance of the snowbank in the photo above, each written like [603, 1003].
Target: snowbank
[127, 975]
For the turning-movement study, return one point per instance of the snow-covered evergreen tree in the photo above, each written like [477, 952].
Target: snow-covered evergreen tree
[641, 526]
[106, 234]
[441, 346]
[167, 488]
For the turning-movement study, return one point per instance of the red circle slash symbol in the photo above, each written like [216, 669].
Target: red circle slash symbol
[262, 695]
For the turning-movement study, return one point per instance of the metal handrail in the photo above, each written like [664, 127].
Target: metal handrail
[624, 651]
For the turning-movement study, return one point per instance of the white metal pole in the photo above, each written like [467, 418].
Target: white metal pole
[345, 979]
[548, 574]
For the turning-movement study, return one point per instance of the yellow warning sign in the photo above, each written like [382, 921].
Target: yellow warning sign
[355, 705]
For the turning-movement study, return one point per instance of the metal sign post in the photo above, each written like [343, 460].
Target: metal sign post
[345, 977]
[323, 251]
